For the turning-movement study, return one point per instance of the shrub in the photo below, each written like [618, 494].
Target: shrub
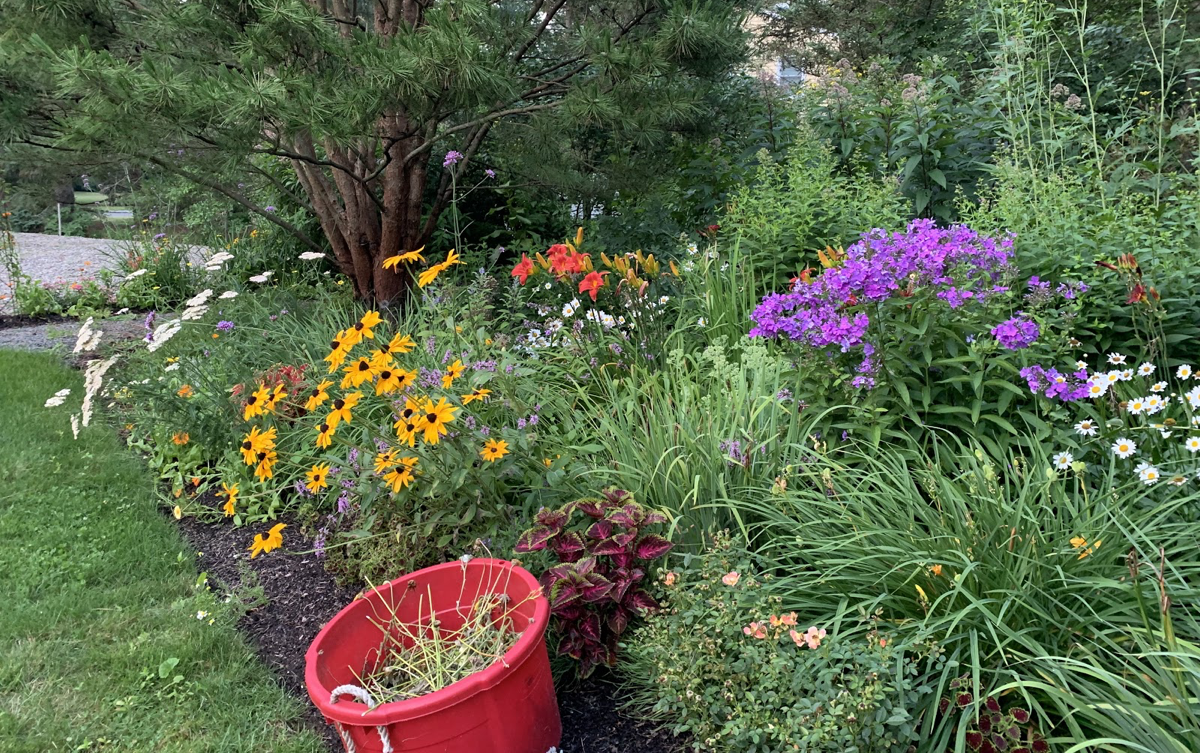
[596, 590]
[725, 664]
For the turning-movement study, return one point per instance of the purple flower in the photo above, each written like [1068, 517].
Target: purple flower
[319, 543]
[225, 326]
[490, 173]
[733, 450]
[520, 423]
[452, 158]
[784, 395]
[149, 325]
[1016, 333]
[343, 502]
[160, 236]
[1055, 385]
[153, 216]
[269, 208]
[863, 382]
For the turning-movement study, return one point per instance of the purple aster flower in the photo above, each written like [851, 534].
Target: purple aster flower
[452, 158]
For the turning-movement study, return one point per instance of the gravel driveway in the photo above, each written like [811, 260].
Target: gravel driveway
[59, 258]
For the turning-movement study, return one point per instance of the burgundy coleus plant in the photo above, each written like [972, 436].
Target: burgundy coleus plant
[595, 590]
[992, 728]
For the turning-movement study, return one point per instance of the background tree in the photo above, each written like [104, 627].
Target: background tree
[363, 100]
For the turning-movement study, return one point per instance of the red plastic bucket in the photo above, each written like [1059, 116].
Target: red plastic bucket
[510, 707]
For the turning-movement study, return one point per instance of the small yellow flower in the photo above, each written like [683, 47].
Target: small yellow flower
[385, 460]
[494, 449]
[177, 512]
[264, 543]
[186, 391]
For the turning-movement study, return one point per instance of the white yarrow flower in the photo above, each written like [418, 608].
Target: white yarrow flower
[136, 273]
[199, 299]
[260, 278]
[311, 256]
[228, 294]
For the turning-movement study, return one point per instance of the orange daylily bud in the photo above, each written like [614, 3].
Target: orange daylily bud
[579, 237]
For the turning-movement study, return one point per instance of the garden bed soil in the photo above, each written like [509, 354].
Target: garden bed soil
[302, 597]
[9, 321]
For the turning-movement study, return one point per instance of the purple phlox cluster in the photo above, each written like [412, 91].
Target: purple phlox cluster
[452, 158]
[958, 262]
[469, 422]
[484, 431]
[225, 326]
[1056, 385]
[1018, 332]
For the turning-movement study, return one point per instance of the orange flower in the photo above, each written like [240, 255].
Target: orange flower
[756, 630]
[180, 438]
[731, 578]
[523, 269]
[186, 391]
[591, 283]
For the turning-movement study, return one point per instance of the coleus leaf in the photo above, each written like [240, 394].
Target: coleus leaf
[601, 529]
[568, 543]
[618, 620]
[623, 558]
[651, 547]
[553, 519]
[615, 496]
[653, 517]
[534, 539]
[593, 508]
[625, 538]
[639, 599]
[607, 548]
[563, 595]
[589, 627]
[598, 589]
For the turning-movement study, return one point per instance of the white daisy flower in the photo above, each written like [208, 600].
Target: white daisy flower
[1136, 405]
[1147, 473]
[1112, 377]
[1146, 369]
[1154, 404]
[1158, 386]
[1081, 365]
[1192, 444]
[201, 614]
[1126, 375]
[1116, 359]
[569, 309]
[311, 256]
[1086, 428]
[1184, 372]
[1177, 480]
[1063, 460]
[1097, 389]
[1123, 447]
[663, 300]
[546, 286]
[702, 321]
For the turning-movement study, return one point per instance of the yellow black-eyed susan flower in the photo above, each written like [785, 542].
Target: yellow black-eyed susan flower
[408, 257]
[398, 478]
[324, 435]
[318, 478]
[494, 449]
[357, 372]
[256, 404]
[341, 409]
[256, 442]
[387, 381]
[266, 542]
[434, 419]
[318, 395]
[454, 372]
[476, 394]
[265, 467]
[385, 460]
[230, 493]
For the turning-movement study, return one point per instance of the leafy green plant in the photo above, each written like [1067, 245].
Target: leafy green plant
[723, 663]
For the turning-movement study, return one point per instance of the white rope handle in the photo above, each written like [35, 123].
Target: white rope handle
[365, 697]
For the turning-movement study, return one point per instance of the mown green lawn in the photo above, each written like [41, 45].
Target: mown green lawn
[99, 600]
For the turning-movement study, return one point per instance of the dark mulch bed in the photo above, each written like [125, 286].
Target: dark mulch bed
[9, 321]
[302, 597]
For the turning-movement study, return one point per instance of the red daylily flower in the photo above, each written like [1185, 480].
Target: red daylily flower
[591, 283]
[523, 269]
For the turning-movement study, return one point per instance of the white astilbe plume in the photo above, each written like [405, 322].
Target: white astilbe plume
[87, 339]
[164, 332]
[93, 377]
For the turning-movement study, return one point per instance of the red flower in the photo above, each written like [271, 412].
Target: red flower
[523, 269]
[591, 283]
[1137, 295]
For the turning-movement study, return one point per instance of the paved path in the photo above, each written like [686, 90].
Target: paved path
[59, 258]
[61, 335]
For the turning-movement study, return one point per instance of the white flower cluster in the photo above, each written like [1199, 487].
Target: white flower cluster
[261, 278]
[217, 260]
[58, 398]
[93, 377]
[164, 332]
[311, 256]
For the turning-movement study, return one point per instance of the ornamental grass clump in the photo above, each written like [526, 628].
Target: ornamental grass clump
[421, 656]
